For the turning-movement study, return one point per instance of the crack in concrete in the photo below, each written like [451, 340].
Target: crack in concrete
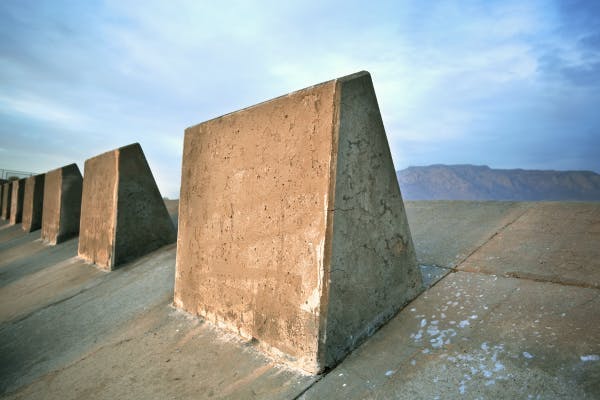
[533, 278]
[502, 229]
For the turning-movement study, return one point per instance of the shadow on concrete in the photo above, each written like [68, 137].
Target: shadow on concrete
[31, 257]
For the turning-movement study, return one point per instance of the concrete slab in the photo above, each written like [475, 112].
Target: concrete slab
[47, 275]
[6, 200]
[447, 232]
[33, 200]
[123, 215]
[292, 228]
[16, 202]
[9, 232]
[471, 335]
[479, 336]
[167, 355]
[62, 204]
[555, 242]
[55, 351]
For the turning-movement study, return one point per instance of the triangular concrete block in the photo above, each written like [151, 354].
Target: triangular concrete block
[123, 215]
[33, 201]
[6, 199]
[2, 182]
[16, 205]
[292, 228]
[61, 204]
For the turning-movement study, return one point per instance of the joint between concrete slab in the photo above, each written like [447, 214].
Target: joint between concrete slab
[502, 229]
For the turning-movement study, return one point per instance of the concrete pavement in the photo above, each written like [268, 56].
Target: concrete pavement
[499, 323]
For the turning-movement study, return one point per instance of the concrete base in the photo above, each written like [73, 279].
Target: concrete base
[62, 204]
[123, 215]
[6, 200]
[292, 228]
[16, 205]
[33, 200]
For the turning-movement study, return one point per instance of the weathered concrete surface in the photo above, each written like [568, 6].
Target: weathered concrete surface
[291, 227]
[62, 204]
[119, 338]
[33, 200]
[479, 336]
[123, 215]
[556, 242]
[6, 200]
[2, 182]
[167, 355]
[81, 333]
[16, 206]
[477, 222]
[9, 232]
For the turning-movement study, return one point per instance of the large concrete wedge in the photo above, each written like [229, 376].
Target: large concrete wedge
[6, 199]
[61, 204]
[292, 228]
[123, 215]
[2, 182]
[16, 205]
[33, 201]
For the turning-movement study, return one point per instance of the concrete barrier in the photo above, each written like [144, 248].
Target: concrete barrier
[292, 228]
[33, 201]
[123, 215]
[6, 200]
[61, 204]
[2, 182]
[16, 205]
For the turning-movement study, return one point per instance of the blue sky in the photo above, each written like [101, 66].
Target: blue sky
[510, 84]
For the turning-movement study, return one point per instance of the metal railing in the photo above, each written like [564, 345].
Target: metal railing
[9, 173]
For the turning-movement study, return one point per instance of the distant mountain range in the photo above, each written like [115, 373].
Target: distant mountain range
[474, 182]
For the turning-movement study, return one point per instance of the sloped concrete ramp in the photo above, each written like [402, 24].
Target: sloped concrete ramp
[473, 334]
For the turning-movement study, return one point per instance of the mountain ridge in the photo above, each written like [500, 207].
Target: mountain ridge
[480, 182]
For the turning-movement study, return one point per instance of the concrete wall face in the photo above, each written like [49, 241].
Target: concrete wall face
[2, 182]
[16, 208]
[61, 204]
[33, 203]
[373, 263]
[143, 222]
[252, 220]
[258, 240]
[98, 209]
[123, 215]
[6, 200]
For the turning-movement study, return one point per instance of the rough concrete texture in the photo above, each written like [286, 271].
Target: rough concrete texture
[545, 243]
[61, 204]
[16, 205]
[71, 331]
[2, 182]
[477, 222]
[477, 336]
[33, 201]
[6, 200]
[123, 215]
[292, 229]
[80, 333]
